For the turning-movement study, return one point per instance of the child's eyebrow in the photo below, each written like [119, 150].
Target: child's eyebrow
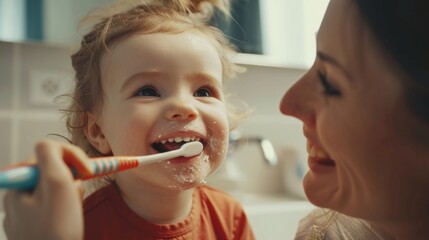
[207, 78]
[143, 74]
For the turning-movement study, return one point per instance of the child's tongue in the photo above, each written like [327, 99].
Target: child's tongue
[169, 146]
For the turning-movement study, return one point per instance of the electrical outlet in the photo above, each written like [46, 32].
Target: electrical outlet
[45, 85]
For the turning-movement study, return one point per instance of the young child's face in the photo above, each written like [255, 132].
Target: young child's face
[160, 88]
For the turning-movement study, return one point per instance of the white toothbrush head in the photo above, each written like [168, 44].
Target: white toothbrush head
[191, 149]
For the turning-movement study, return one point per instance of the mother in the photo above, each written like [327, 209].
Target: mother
[365, 109]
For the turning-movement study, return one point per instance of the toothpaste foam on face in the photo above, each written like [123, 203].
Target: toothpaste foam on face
[188, 175]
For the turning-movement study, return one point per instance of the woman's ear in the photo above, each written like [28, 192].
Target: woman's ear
[95, 135]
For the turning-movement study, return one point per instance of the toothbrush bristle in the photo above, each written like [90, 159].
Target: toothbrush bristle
[192, 149]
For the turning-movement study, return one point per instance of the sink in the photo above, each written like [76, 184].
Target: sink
[274, 216]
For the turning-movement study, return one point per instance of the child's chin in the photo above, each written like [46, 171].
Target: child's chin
[186, 185]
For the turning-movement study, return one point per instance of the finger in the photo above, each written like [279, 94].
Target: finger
[52, 168]
[57, 186]
[9, 199]
[6, 227]
[6, 200]
[80, 188]
[9, 202]
[77, 158]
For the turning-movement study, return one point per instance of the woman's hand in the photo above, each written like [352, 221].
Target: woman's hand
[53, 210]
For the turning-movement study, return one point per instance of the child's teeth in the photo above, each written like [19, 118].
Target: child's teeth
[180, 139]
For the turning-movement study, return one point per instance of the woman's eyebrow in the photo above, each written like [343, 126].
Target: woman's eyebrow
[326, 58]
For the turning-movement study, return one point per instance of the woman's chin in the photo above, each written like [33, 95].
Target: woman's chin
[318, 192]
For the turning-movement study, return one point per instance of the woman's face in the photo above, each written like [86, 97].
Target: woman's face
[366, 154]
[161, 91]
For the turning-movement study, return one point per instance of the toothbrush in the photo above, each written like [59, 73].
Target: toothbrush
[26, 176]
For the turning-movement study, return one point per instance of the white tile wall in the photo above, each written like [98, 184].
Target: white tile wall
[6, 56]
[5, 144]
[21, 121]
[262, 89]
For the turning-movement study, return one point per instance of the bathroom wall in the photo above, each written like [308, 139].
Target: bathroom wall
[261, 88]
[32, 74]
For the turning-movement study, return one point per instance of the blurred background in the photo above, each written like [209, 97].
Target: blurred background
[276, 41]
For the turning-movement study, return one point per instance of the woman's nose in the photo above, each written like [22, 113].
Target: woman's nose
[181, 110]
[299, 101]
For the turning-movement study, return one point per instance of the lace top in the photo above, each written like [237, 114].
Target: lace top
[323, 224]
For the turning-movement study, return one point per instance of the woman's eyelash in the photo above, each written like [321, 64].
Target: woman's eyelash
[328, 89]
[147, 91]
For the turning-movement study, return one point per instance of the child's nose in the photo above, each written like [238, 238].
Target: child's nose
[181, 110]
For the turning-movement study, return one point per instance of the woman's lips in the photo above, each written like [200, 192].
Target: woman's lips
[319, 161]
[320, 165]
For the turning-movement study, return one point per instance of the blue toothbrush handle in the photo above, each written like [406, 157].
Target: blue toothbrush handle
[24, 177]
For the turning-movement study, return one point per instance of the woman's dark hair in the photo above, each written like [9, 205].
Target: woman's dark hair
[401, 26]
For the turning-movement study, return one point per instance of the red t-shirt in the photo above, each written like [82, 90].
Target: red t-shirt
[214, 215]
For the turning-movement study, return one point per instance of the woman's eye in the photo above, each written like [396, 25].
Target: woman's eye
[203, 92]
[147, 91]
[328, 89]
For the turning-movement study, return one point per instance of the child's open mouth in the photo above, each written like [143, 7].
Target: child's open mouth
[174, 143]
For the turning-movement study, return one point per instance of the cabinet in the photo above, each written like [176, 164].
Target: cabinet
[289, 30]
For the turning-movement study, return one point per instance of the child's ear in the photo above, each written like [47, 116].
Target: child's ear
[95, 135]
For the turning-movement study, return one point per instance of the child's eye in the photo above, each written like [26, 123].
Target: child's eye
[203, 92]
[147, 91]
[328, 89]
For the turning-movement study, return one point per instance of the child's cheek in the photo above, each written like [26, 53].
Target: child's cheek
[217, 146]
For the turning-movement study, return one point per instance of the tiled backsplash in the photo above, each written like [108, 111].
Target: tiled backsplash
[24, 119]
[6, 66]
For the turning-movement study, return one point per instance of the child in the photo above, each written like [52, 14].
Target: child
[148, 80]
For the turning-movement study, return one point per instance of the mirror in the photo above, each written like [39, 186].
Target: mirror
[283, 30]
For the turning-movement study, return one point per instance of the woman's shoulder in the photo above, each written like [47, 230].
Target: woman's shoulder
[323, 224]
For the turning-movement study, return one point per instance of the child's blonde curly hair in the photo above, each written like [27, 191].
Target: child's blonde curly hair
[126, 18]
